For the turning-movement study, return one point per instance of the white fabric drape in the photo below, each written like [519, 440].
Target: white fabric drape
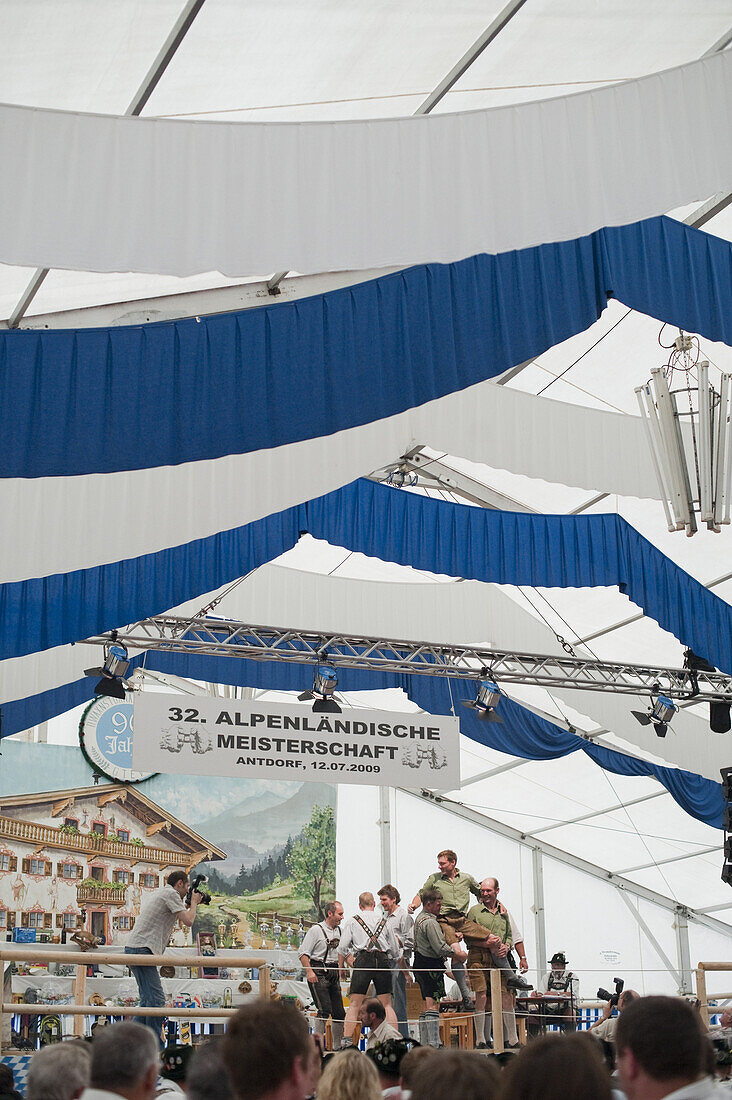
[88, 520]
[175, 197]
[466, 612]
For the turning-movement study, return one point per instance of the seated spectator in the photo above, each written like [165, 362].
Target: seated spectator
[411, 1062]
[557, 1067]
[458, 1073]
[604, 1029]
[372, 1015]
[387, 1057]
[175, 1059]
[349, 1076]
[58, 1072]
[8, 1090]
[125, 1060]
[207, 1079]
[268, 1052]
[661, 1050]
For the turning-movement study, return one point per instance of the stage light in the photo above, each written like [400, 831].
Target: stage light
[485, 702]
[112, 672]
[659, 715]
[324, 685]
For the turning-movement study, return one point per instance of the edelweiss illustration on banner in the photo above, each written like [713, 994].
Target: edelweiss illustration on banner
[243, 737]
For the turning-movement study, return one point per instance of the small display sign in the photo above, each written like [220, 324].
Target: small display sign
[106, 734]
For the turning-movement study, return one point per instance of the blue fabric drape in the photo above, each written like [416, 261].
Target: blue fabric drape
[80, 401]
[504, 547]
[522, 732]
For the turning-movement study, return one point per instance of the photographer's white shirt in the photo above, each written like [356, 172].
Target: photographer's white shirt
[157, 920]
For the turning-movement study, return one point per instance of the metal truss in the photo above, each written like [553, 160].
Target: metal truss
[227, 638]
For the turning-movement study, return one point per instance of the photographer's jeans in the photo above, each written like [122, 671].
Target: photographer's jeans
[150, 989]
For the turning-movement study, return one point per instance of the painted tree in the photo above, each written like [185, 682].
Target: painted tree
[312, 859]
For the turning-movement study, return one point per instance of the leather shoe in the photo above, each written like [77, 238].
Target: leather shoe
[517, 982]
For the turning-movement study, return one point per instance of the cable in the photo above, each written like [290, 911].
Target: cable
[584, 353]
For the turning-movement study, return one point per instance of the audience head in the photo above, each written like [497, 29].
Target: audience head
[372, 1012]
[431, 901]
[57, 1072]
[557, 1067]
[446, 861]
[366, 900]
[333, 911]
[175, 1059]
[349, 1076]
[626, 999]
[125, 1059]
[459, 1073]
[267, 1051]
[207, 1079]
[659, 1040]
[7, 1079]
[412, 1061]
[388, 1057]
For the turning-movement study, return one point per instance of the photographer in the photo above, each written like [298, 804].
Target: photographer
[607, 1025]
[151, 934]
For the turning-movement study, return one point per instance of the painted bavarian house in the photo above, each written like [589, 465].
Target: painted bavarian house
[85, 859]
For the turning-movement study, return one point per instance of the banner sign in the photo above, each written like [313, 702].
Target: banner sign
[239, 737]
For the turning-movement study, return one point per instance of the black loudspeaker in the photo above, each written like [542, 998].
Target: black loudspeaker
[719, 718]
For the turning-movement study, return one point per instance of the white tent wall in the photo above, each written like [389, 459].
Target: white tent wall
[706, 945]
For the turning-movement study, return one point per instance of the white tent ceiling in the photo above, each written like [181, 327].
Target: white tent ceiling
[321, 59]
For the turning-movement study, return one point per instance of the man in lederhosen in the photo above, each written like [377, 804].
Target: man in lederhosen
[319, 957]
[369, 945]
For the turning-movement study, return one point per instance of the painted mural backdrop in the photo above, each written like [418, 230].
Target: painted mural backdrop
[278, 839]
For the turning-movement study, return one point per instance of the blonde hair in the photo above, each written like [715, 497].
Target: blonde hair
[349, 1075]
[366, 899]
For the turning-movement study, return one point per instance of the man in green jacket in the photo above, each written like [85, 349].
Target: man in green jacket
[491, 916]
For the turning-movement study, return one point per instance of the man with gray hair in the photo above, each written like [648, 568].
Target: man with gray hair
[59, 1072]
[125, 1062]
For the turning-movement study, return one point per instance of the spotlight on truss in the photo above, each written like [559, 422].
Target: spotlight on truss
[485, 702]
[658, 715]
[324, 685]
[112, 672]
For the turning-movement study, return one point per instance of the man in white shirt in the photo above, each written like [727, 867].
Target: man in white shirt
[319, 957]
[124, 1062]
[372, 1015]
[150, 937]
[403, 925]
[660, 1052]
[607, 1025]
[370, 946]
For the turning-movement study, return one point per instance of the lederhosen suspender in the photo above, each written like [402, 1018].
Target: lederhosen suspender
[373, 936]
[328, 943]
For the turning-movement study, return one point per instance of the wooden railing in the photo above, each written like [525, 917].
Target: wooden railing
[47, 836]
[702, 969]
[103, 894]
[83, 959]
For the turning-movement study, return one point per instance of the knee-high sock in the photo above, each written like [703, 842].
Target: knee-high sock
[509, 1027]
[458, 970]
[337, 1031]
[479, 1024]
[319, 1026]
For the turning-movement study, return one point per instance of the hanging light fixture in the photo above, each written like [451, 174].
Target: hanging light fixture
[325, 680]
[659, 714]
[693, 470]
[485, 702]
[112, 672]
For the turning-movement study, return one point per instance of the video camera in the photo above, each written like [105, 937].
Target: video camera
[196, 885]
[613, 998]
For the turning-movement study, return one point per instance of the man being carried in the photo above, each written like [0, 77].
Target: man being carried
[430, 951]
[492, 916]
[456, 888]
[319, 957]
[370, 946]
